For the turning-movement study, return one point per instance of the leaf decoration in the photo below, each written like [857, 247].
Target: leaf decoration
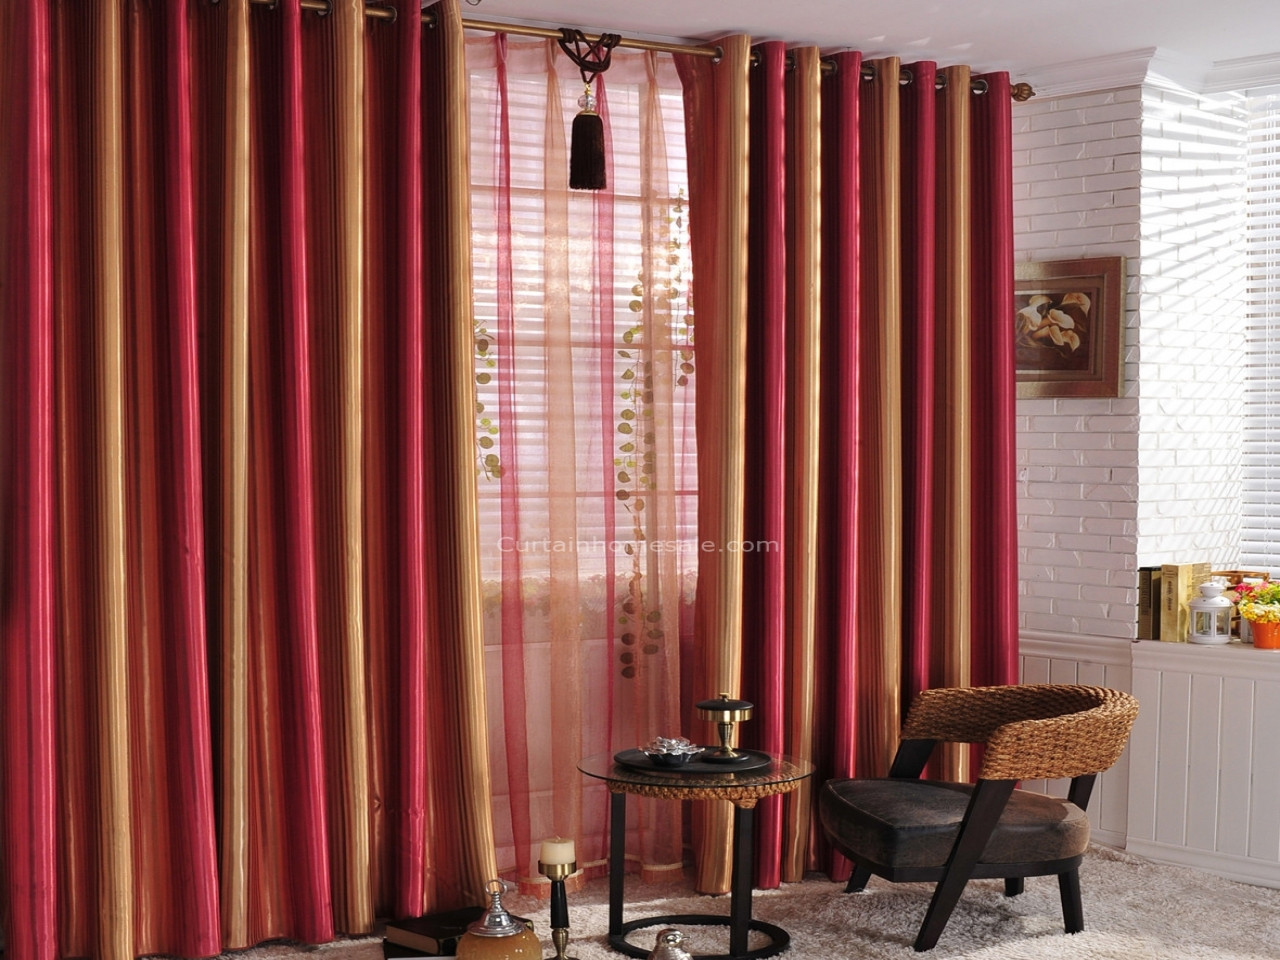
[666, 353]
[488, 462]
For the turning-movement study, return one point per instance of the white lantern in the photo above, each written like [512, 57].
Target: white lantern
[1210, 615]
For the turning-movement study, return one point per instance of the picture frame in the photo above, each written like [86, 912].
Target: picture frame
[1068, 323]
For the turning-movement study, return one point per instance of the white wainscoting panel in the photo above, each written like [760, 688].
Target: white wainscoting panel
[1205, 771]
[1098, 662]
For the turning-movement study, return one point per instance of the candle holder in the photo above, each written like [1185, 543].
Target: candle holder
[556, 873]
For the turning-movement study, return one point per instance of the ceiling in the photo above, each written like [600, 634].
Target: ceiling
[1208, 44]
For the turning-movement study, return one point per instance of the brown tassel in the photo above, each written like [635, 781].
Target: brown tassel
[586, 145]
[586, 152]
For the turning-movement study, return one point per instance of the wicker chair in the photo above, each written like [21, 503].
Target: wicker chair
[907, 829]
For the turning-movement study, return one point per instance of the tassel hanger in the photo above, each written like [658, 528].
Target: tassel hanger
[586, 144]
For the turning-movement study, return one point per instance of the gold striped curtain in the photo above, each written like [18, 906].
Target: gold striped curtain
[241, 617]
[716, 101]
[837, 226]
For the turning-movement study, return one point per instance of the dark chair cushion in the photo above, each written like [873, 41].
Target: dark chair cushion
[913, 823]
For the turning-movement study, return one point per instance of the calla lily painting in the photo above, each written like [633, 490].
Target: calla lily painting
[1067, 322]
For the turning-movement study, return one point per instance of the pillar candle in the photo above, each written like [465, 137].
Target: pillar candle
[557, 850]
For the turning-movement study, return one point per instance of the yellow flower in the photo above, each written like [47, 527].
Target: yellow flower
[1261, 612]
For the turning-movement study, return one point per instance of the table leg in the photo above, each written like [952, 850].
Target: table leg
[741, 881]
[739, 921]
[617, 859]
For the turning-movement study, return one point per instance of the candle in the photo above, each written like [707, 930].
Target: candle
[557, 850]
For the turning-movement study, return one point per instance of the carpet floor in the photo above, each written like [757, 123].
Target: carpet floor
[1134, 910]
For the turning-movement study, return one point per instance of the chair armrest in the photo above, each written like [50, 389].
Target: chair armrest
[1032, 731]
[1068, 746]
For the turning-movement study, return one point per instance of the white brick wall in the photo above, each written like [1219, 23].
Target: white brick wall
[1077, 163]
[1106, 485]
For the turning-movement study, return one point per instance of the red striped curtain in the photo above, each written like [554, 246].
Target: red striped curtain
[872, 450]
[239, 608]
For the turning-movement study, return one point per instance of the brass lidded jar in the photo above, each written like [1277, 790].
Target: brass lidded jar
[724, 712]
[497, 935]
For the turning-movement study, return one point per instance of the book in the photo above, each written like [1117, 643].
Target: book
[1148, 603]
[434, 934]
[1178, 582]
[392, 951]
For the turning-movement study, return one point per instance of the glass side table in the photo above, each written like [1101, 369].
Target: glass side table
[743, 790]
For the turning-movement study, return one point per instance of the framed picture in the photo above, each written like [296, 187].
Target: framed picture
[1068, 320]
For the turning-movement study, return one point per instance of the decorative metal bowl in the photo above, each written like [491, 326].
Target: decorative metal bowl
[670, 751]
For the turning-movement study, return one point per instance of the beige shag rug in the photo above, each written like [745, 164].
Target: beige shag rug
[1134, 910]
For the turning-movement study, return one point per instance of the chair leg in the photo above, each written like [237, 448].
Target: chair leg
[1014, 886]
[1072, 908]
[858, 879]
[945, 897]
[985, 805]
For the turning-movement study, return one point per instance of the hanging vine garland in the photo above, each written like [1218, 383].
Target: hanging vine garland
[586, 146]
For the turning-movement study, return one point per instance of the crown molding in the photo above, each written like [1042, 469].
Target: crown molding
[1164, 68]
[1243, 73]
[1127, 69]
[1176, 71]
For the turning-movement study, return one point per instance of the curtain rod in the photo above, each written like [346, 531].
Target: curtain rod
[1019, 91]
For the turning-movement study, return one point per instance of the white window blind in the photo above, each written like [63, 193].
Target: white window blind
[523, 432]
[1260, 528]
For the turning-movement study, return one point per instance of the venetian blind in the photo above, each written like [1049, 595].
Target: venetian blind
[1260, 528]
[600, 314]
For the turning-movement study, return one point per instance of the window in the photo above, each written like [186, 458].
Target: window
[1260, 529]
[590, 266]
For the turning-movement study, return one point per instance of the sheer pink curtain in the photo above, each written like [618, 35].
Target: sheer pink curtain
[585, 372]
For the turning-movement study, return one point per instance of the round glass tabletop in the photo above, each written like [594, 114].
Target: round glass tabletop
[780, 770]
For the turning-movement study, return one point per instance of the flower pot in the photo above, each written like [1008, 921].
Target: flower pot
[1266, 636]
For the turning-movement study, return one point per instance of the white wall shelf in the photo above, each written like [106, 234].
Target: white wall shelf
[1204, 774]
[1199, 782]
